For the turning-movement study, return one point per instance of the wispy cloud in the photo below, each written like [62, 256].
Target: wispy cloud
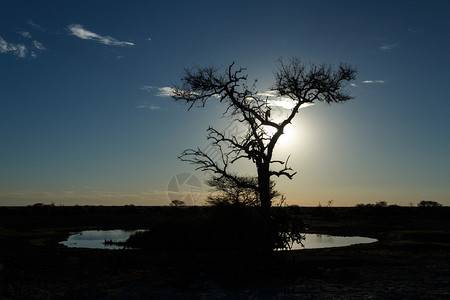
[79, 31]
[415, 30]
[19, 50]
[35, 26]
[275, 100]
[148, 106]
[25, 34]
[373, 81]
[39, 46]
[388, 47]
[165, 91]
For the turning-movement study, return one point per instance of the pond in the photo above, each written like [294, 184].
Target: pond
[95, 239]
[318, 241]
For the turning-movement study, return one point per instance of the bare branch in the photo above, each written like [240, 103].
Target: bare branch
[286, 171]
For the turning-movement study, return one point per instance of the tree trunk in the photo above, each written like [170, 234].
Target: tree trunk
[264, 196]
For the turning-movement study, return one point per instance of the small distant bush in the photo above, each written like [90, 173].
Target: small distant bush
[381, 204]
[427, 203]
[177, 203]
[130, 209]
[42, 209]
[370, 205]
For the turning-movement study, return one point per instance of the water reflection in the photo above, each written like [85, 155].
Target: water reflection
[95, 239]
[317, 241]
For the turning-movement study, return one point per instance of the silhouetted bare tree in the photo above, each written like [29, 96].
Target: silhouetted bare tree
[297, 83]
[227, 192]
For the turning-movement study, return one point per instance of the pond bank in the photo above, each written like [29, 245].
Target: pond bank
[386, 270]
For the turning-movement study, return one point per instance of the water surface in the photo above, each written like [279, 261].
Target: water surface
[95, 239]
[318, 241]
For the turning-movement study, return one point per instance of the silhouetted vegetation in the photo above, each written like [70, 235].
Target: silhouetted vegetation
[227, 192]
[219, 229]
[177, 203]
[244, 105]
[378, 204]
[427, 203]
[224, 229]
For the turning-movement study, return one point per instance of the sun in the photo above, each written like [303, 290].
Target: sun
[289, 137]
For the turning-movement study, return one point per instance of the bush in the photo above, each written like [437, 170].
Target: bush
[426, 203]
[218, 229]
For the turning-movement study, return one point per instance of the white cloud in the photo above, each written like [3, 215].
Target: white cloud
[286, 103]
[19, 50]
[38, 46]
[373, 81]
[275, 100]
[165, 91]
[25, 34]
[283, 103]
[79, 31]
[388, 47]
[269, 94]
[148, 106]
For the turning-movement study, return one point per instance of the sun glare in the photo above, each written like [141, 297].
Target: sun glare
[280, 108]
[288, 138]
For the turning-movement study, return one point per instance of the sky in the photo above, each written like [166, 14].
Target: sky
[86, 117]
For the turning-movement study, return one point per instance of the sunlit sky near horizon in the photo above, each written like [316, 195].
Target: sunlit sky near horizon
[85, 117]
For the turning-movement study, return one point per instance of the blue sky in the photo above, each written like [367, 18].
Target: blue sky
[85, 117]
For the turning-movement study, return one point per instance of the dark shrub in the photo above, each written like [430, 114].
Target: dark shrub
[219, 229]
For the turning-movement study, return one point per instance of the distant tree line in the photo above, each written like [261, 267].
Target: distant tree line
[423, 203]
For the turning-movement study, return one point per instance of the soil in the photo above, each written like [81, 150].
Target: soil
[410, 260]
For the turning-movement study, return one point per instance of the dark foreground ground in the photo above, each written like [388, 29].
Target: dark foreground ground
[410, 261]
